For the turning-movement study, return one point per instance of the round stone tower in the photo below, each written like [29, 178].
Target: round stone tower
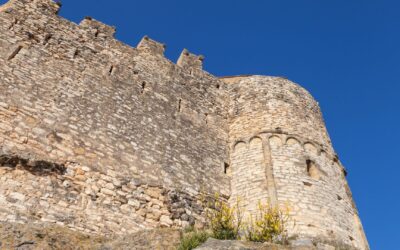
[280, 153]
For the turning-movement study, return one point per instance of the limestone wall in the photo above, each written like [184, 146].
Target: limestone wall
[104, 138]
[260, 103]
[79, 198]
[281, 154]
[72, 95]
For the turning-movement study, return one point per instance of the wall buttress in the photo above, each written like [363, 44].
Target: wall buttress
[272, 194]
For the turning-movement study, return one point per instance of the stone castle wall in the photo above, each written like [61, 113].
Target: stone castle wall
[74, 96]
[105, 138]
[281, 154]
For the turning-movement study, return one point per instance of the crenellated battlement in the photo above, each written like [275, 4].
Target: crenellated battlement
[42, 6]
[84, 41]
[151, 46]
[97, 29]
[189, 60]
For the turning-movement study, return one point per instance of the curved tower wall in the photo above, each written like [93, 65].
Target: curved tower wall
[281, 153]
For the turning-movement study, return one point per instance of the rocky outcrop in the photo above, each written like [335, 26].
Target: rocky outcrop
[213, 244]
[49, 236]
[167, 239]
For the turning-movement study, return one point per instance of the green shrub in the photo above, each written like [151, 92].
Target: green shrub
[193, 239]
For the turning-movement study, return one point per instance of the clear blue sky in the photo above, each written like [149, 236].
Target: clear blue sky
[345, 52]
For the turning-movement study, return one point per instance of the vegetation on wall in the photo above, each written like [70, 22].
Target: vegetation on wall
[269, 225]
[226, 222]
[193, 238]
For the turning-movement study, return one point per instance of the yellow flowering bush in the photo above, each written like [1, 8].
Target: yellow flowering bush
[269, 225]
[224, 221]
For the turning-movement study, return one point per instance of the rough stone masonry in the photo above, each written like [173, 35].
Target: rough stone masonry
[104, 138]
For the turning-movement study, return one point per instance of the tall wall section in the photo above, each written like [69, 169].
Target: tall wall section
[99, 136]
[281, 154]
[104, 138]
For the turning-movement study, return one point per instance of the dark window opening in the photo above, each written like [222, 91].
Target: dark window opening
[46, 39]
[76, 53]
[226, 168]
[143, 87]
[110, 71]
[179, 105]
[309, 165]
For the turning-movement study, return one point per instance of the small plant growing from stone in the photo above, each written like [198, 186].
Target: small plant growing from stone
[193, 238]
[224, 221]
[269, 225]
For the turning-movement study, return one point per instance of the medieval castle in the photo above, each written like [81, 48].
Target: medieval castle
[104, 138]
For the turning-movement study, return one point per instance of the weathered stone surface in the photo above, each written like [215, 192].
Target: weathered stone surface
[167, 239]
[213, 244]
[47, 236]
[165, 221]
[108, 139]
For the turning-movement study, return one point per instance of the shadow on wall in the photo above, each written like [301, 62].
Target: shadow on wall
[39, 168]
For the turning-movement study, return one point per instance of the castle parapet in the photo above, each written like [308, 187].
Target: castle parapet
[98, 28]
[151, 46]
[43, 6]
[189, 60]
